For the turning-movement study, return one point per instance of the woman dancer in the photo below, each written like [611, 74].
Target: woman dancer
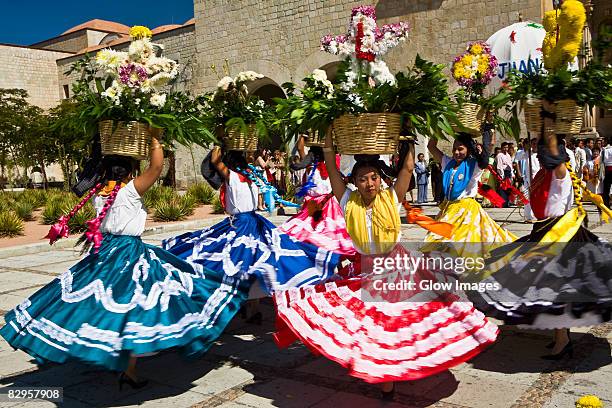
[475, 230]
[559, 276]
[126, 298]
[248, 244]
[320, 221]
[378, 341]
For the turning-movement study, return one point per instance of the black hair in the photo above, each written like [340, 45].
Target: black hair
[117, 168]
[372, 160]
[468, 141]
[235, 159]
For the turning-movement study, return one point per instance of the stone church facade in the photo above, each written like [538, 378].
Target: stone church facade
[277, 38]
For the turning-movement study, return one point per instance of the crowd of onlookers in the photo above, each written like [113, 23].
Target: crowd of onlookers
[590, 159]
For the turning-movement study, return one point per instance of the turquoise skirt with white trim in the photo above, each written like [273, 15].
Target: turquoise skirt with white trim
[130, 298]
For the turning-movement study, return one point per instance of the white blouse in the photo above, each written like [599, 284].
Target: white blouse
[560, 196]
[240, 196]
[127, 215]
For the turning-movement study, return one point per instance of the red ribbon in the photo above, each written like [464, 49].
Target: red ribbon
[506, 184]
[368, 56]
[490, 194]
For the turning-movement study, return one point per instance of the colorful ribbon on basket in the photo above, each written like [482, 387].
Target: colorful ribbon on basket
[268, 191]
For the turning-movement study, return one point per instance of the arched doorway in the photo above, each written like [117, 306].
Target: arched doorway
[267, 89]
[331, 69]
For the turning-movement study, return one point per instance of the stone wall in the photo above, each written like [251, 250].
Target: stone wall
[73, 42]
[33, 70]
[281, 38]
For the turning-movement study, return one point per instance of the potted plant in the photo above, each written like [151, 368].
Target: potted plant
[236, 116]
[473, 71]
[122, 95]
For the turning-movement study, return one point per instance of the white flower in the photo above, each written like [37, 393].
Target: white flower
[225, 83]
[110, 60]
[319, 75]
[114, 91]
[380, 72]
[355, 100]
[155, 65]
[140, 50]
[158, 100]
[159, 80]
[137, 101]
[246, 76]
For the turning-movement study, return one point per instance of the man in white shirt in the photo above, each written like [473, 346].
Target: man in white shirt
[581, 158]
[606, 163]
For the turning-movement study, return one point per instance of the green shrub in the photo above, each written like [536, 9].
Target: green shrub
[24, 210]
[36, 198]
[217, 206]
[10, 224]
[202, 192]
[77, 223]
[157, 194]
[56, 206]
[174, 209]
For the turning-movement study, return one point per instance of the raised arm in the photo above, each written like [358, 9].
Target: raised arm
[405, 174]
[216, 157]
[435, 151]
[550, 139]
[148, 177]
[335, 179]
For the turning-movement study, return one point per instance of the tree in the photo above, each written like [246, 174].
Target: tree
[19, 126]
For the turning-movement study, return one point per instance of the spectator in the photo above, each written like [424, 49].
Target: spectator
[591, 173]
[569, 148]
[606, 163]
[436, 180]
[590, 144]
[36, 178]
[422, 178]
[581, 157]
[297, 176]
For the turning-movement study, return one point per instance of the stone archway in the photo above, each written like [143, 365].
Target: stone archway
[331, 69]
[267, 89]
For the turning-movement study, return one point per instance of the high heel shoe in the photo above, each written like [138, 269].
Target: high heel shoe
[388, 395]
[257, 319]
[567, 350]
[124, 379]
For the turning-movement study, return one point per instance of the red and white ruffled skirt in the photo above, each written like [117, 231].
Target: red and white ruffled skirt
[382, 341]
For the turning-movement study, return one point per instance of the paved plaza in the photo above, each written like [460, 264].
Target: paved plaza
[246, 369]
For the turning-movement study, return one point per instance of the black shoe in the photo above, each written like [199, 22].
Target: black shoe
[568, 350]
[124, 379]
[388, 395]
[257, 319]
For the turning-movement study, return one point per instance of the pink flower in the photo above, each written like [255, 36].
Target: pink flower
[132, 75]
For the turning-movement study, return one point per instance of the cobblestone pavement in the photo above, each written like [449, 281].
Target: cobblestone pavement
[246, 369]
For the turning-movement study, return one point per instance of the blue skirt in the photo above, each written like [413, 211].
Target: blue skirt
[129, 299]
[248, 244]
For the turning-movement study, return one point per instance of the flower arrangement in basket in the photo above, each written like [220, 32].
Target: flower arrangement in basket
[567, 89]
[473, 71]
[369, 105]
[237, 117]
[122, 94]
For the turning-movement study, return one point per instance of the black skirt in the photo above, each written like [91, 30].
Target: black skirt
[547, 285]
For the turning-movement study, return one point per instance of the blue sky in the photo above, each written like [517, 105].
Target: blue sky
[26, 22]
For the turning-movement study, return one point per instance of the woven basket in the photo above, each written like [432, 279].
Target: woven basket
[569, 117]
[367, 133]
[471, 116]
[128, 139]
[237, 140]
[315, 138]
[533, 120]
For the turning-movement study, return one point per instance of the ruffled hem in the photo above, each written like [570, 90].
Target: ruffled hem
[380, 342]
